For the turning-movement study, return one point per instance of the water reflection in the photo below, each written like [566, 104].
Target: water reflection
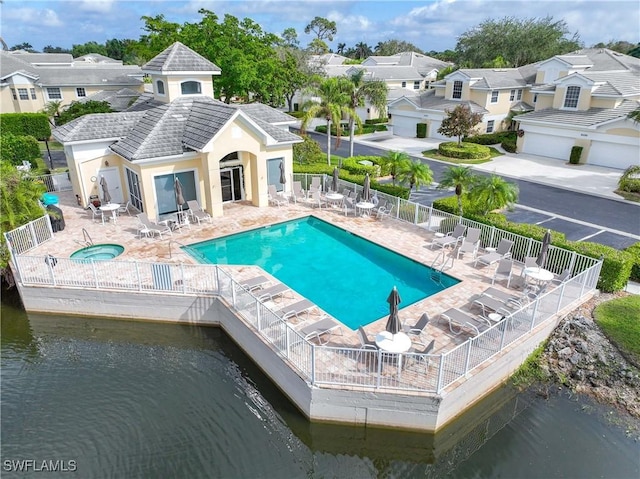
[129, 399]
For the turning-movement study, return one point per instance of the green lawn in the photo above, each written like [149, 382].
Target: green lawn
[620, 321]
[53, 145]
[460, 161]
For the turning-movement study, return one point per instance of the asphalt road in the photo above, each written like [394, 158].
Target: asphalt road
[579, 216]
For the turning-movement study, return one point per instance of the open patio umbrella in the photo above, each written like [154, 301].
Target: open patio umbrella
[179, 196]
[544, 249]
[366, 188]
[106, 197]
[393, 323]
[283, 177]
[334, 185]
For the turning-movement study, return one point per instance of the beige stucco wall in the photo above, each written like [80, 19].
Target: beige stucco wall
[630, 132]
[466, 90]
[603, 102]
[544, 101]
[172, 86]
[584, 100]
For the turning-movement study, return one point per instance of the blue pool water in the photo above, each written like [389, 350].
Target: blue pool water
[345, 275]
[99, 252]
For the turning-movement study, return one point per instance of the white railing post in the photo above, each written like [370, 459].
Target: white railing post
[493, 235]
[233, 295]
[415, 214]
[504, 332]
[440, 369]
[258, 316]
[287, 342]
[468, 358]
[95, 273]
[34, 238]
[138, 276]
[49, 261]
[430, 217]
[533, 315]
[313, 364]
[379, 368]
[559, 305]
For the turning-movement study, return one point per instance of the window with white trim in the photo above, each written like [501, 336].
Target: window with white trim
[416, 85]
[571, 97]
[33, 94]
[23, 93]
[160, 87]
[519, 97]
[490, 126]
[494, 96]
[54, 94]
[404, 84]
[81, 92]
[13, 92]
[512, 95]
[457, 89]
[191, 87]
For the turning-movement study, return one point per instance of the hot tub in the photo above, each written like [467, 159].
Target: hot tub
[98, 252]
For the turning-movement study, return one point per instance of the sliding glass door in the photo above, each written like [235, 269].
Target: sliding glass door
[166, 192]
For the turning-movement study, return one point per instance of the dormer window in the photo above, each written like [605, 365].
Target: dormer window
[160, 87]
[457, 89]
[494, 96]
[571, 97]
[191, 88]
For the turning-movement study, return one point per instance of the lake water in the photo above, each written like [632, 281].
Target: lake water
[125, 399]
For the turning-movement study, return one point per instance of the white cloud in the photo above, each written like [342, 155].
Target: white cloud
[31, 16]
[351, 23]
[98, 6]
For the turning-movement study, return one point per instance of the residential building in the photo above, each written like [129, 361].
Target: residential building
[28, 81]
[219, 152]
[580, 99]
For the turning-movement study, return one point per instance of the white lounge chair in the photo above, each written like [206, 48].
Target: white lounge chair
[323, 327]
[470, 243]
[196, 213]
[502, 251]
[272, 292]
[297, 193]
[296, 309]
[275, 198]
[147, 227]
[419, 326]
[254, 283]
[451, 239]
[463, 320]
[96, 213]
[503, 271]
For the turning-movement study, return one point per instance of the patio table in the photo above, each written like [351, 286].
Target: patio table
[113, 208]
[365, 207]
[334, 199]
[394, 343]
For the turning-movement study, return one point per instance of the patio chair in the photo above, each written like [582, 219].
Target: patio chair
[451, 239]
[503, 270]
[296, 309]
[96, 213]
[562, 277]
[365, 342]
[323, 327]
[384, 211]
[272, 292]
[317, 200]
[256, 282]
[367, 345]
[125, 208]
[502, 251]
[276, 198]
[470, 243]
[507, 298]
[417, 328]
[297, 193]
[462, 320]
[489, 305]
[149, 228]
[196, 213]
[349, 204]
[420, 351]
[316, 183]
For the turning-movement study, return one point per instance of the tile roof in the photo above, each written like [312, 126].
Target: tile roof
[119, 100]
[615, 83]
[392, 72]
[603, 59]
[206, 118]
[281, 135]
[266, 113]
[44, 58]
[144, 102]
[491, 78]
[97, 126]
[428, 101]
[92, 74]
[96, 58]
[13, 64]
[179, 58]
[588, 118]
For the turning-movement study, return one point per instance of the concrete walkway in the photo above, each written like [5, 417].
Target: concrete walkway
[593, 180]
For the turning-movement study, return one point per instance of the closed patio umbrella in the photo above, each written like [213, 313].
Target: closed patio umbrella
[106, 197]
[179, 196]
[283, 178]
[334, 185]
[393, 323]
[366, 188]
[544, 249]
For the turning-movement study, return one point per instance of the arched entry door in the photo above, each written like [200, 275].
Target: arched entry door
[232, 178]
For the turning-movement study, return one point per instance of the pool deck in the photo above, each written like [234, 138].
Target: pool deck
[407, 239]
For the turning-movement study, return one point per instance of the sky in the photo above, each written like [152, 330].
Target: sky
[430, 25]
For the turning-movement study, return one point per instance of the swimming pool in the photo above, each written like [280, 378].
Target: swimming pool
[345, 275]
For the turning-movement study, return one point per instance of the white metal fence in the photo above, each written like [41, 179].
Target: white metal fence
[54, 182]
[341, 366]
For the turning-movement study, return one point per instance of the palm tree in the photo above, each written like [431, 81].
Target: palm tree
[635, 115]
[362, 50]
[52, 109]
[373, 91]
[396, 161]
[341, 47]
[459, 177]
[416, 174]
[493, 193]
[334, 94]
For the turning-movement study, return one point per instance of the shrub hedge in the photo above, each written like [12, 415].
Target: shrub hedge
[355, 168]
[616, 266]
[468, 151]
[421, 130]
[345, 130]
[634, 251]
[491, 138]
[374, 121]
[509, 144]
[576, 152]
[26, 124]
[18, 148]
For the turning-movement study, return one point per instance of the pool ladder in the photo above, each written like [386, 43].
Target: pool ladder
[440, 263]
[86, 238]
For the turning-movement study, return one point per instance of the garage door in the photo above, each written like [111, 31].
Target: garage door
[433, 131]
[404, 126]
[548, 145]
[612, 155]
